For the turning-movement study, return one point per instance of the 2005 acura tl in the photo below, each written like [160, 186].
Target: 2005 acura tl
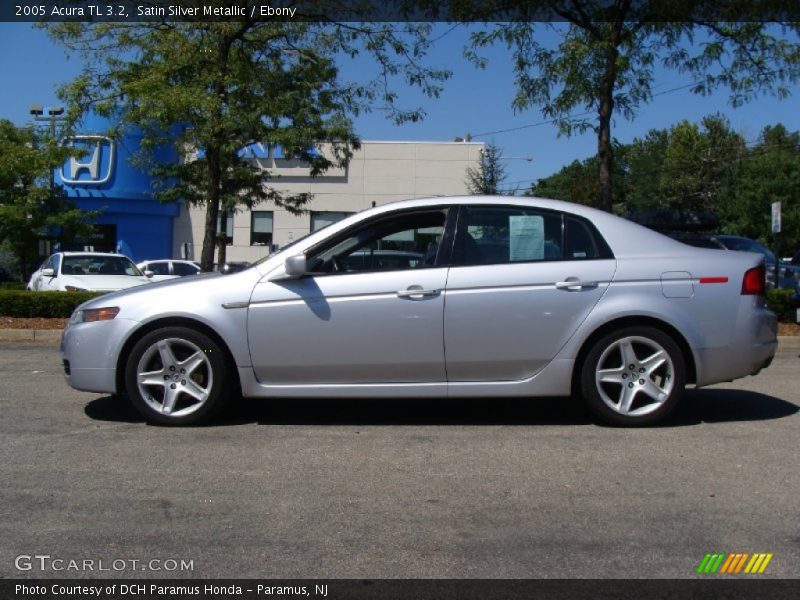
[505, 297]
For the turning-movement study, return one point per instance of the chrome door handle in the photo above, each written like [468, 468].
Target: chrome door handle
[414, 292]
[574, 284]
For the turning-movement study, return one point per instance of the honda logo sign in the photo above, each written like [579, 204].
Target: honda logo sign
[97, 163]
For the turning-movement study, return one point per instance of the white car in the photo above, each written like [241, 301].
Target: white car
[168, 268]
[86, 272]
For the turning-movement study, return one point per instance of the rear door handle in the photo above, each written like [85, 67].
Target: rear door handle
[574, 284]
[416, 292]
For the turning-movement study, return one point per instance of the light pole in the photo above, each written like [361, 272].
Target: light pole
[54, 115]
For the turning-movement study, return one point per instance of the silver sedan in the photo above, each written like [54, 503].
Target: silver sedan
[508, 297]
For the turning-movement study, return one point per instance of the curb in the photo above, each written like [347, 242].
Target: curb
[788, 341]
[54, 336]
[30, 335]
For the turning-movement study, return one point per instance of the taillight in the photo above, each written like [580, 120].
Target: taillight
[754, 281]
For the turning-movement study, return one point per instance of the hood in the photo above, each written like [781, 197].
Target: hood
[103, 283]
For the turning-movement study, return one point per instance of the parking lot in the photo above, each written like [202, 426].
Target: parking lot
[400, 489]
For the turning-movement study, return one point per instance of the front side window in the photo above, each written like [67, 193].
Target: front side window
[261, 228]
[158, 268]
[398, 242]
[498, 235]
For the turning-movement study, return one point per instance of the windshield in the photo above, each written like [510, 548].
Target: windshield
[290, 244]
[747, 245]
[88, 264]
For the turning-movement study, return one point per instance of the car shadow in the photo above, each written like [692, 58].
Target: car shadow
[713, 405]
[698, 406]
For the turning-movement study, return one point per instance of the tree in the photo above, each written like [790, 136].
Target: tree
[29, 208]
[768, 172]
[488, 177]
[605, 61]
[577, 182]
[218, 87]
[696, 164]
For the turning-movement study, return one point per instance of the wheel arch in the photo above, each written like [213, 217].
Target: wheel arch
[635, 321]
[122, 359]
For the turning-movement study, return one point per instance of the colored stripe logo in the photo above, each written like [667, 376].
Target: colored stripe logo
[734, 563]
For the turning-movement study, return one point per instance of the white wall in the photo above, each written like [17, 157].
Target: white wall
[379, 172]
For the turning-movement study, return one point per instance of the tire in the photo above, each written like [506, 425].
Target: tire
[633, 377]
[176, 376]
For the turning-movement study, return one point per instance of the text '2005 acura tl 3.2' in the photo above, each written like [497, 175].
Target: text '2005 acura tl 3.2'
[493, 297]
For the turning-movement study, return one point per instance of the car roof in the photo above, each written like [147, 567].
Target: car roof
[77, 253]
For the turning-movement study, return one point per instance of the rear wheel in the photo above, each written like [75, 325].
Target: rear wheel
[634, 376]
[176, 376]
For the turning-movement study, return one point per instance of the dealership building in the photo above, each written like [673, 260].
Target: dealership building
[106, 178]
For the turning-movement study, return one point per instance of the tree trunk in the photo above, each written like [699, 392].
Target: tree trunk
[223, 240]
[605, 110]
[212, 210]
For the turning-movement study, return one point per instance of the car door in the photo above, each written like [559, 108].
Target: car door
[361, 320]
[521, 283]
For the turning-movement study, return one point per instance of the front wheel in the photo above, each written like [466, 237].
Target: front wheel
[634, 376]
[176, 376]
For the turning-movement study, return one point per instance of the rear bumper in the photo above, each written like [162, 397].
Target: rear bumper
[754, 341]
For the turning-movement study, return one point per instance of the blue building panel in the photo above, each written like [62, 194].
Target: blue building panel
[105, 177]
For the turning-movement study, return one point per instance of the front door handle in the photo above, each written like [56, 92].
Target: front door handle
[416, 292]
[574, 284]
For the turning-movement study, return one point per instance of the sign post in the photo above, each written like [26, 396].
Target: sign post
[776, 229]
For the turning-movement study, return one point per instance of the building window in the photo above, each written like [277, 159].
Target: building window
[228, 227]
[321, 218]
[261, 228]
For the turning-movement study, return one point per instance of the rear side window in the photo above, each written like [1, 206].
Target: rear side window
[499, 235]
[491, 235]
[579, 241]
[183, 269]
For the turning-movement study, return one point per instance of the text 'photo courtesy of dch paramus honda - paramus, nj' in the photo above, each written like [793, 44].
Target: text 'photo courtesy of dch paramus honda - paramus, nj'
[441, 297]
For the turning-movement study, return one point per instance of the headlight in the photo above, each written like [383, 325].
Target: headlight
[89, 315]
[72, 288]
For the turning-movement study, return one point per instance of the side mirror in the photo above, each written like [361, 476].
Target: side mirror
[295, 266]
[48, 272]
[149, 274]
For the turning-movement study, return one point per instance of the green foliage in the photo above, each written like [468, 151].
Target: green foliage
[12, 285]
[705, 167]
[488, 177]
[784, 304]
[606, 59]
[29, 209]
[225, 85]
[769, 171]
[578, 182]
[16, 303]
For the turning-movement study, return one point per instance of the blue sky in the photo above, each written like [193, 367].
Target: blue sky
[473, 101]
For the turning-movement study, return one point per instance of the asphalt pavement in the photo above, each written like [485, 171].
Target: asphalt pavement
[389, 488]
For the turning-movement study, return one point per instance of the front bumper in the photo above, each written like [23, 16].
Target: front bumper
[91, 351]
